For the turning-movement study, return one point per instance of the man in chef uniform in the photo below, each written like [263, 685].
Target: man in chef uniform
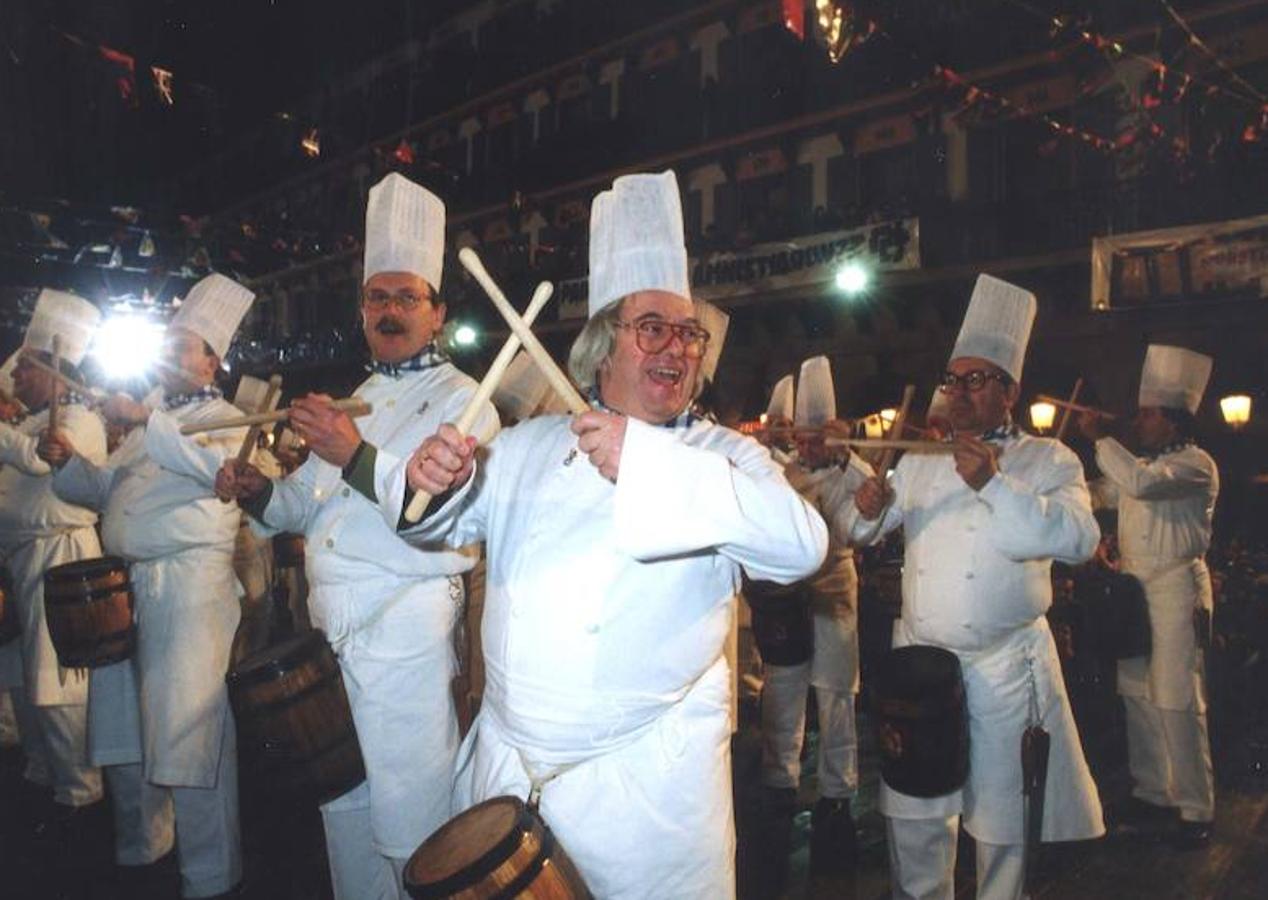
[160, 722]
[38, 531]
[982, 528]
[615, 541]
[834, 667]
[1166, 499]
[388, 609]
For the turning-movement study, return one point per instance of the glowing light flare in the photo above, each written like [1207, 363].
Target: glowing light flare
[311, 144]
[1042, 415]
[128, 345]
[1235, 408]
[853, 279]
[465, 336]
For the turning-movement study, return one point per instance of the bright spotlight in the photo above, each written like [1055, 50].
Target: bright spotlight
[464, 336]
[852, 279]
[127, 345]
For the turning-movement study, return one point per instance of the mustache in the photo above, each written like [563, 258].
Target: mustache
[390, 325]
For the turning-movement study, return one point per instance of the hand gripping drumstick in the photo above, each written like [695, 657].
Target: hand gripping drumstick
[488, 384]
[558, 380]
[266, 405]
[77, 386]
[900, 419]
[353, 406]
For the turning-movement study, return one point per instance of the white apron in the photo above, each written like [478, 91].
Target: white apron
[1171, 677]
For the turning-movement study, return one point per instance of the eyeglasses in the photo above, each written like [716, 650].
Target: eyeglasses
[972, 381]
[378, 300]
[654, 335]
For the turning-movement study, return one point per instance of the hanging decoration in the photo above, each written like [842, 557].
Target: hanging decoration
[163, 85]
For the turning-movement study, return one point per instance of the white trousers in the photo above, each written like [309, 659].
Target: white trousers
[783, 730]
[201, 822]
[1169, 756]
[922, 862]
[55, 741]
[357, 870]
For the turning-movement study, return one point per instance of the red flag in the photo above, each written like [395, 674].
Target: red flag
[126, 80]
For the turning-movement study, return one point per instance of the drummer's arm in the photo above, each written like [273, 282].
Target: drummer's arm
[198, 456]
[18, 450]
[87, 477]
[1048, 516]
[285, 504]
[836, 501]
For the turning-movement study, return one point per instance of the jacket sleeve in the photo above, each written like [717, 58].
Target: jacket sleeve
[673, 499]
[863, 532]
[836, 500]
[291, 504]
[18, 450]
[84, 483]
[1051, 518]
[198, 456]
[1175, 475]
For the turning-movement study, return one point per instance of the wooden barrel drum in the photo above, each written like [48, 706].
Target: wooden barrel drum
[496, 850]
[288, 551]
[88, 606]
[782, 623]
[295, 726]
[921, 721]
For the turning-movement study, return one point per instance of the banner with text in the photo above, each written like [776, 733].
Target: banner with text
[813, 259]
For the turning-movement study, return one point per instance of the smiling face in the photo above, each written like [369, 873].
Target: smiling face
[653, 387]
[974, 412]
[399, 315]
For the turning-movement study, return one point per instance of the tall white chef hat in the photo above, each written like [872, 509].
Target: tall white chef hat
[522, 389]
[781, 400]
[997, 324]
[636, 240]
[816, 397]
[1174, 377]
[714, 321]
[213, 310]
[404, 230]
[72, 318]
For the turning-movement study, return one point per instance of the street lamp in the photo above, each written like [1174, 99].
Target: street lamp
[1042, 415]
[1236, 410]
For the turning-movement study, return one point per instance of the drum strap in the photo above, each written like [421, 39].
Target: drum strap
[538, 780]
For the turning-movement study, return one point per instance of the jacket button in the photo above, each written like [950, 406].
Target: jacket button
[592, 629]
[330, 542]
[346, 491]
[968, 575]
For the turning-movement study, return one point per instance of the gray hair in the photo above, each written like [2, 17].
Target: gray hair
[595, 344]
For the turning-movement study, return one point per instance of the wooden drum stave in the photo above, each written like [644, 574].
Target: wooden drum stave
[295, 725]
[89, 609]
[496, 850]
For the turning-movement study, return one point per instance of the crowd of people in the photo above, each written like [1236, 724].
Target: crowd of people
[614, 544]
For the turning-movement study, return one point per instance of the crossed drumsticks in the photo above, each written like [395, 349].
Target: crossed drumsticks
[521, 335]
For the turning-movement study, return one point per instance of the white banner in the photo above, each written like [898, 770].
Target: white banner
[813, 259]
[1181, 264]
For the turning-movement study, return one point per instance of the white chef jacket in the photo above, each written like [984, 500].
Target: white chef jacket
[1165, 508]
[38, 531]
[976, 581]
[162, 516]
[388, 608]
[606, 610]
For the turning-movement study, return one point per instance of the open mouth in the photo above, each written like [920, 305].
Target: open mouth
[667, 376]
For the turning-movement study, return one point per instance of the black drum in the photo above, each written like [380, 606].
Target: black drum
[88, 607]
[782, 623]
[295, 726]
[922, 722]
[10, 625]
[288, 550]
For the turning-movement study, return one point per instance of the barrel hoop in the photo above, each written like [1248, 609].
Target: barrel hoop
[83, 598]
[292, 699]
[521, 881]
[486, 864]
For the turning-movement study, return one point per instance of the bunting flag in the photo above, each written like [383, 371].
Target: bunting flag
[882, 134]
[574, 86]
[761, 164]
[795, 17]
[125, 78]
[501, 114]
[658, 54]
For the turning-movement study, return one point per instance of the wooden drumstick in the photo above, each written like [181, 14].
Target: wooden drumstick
[1066, 413]
[892, 444]
[558, 380]
[488, 384]
[353, 406]
[54, 396]
[900, 420]
[77, 386]
[266, 405]
[1076, 407]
